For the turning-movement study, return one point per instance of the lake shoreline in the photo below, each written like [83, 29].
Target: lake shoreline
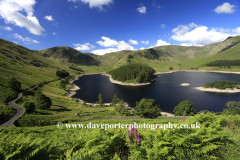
[235, 90]
[127, 84]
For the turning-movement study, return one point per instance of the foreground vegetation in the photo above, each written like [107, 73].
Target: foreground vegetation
[222, 85]
[217, 138]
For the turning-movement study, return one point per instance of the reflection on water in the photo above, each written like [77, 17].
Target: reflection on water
[166, 90]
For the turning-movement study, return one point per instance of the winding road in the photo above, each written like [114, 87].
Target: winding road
[20, 110]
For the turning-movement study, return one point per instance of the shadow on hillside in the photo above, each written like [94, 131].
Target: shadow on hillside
[38, 113]
[59, 106]
[59, 110]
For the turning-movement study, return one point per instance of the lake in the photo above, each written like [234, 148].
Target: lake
[166, 90]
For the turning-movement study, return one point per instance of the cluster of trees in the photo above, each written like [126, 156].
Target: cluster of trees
[65, 81]
[171, 68]
[119, 106]
[62, 74]
[184, 108]
[147, 108]
[222, 84]
[41, 101]
[233, 108]
[140, 73]
[225, 63]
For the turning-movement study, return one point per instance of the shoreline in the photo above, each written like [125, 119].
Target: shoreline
[218, 90]
[128, 84]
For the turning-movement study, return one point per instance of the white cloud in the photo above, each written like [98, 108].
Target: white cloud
[142, 9]
[94, 3]
[142, 48]
[161, 43]
[104, 51]
[48, 18]
[75, 7]
[27, 39]
[124, 46]
[237, 30]
[85, 46]
[11, 12]
[6, 28]
[196, 35]
[145, 42]
[120, 45]
[184, 44]
[15, 42]
[163, 25]
[107, 42]
[225, 8]
[133, 42]
[54, 33]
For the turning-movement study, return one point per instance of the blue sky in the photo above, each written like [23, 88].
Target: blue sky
[103, 26]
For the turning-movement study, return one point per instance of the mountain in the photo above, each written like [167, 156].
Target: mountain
[69, 55]
[161, 58]
[24, 64]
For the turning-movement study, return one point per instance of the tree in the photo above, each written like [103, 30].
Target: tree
[62, 84]
[42, 101]
[147, 108]
[62, 74]
[119, 106]
[184, 106]
[115, 100]
[233, 108]
[170, 68]
[13, 84]
[30, 106]
[100, 99]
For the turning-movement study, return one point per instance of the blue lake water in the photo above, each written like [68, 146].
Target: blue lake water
[166, 90]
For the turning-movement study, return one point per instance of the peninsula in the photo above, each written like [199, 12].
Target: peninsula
[133, 74]
[221, 86]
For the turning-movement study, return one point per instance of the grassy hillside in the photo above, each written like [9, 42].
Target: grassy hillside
[69, 55]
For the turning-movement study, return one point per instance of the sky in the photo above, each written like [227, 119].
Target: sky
[104, 26]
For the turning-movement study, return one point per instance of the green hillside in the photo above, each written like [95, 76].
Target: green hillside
[69, 55]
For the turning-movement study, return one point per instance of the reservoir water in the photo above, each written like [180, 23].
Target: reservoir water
[166, 90]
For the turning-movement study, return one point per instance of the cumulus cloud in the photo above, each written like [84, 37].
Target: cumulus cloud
[6, 28]
[236, 31]
[54, 33]
[225, 8]
[11, 11]
[145, 42]
[85, 46]
[142, 48]
[163, 25]
[133, 42]
[27, 39]
[49, 18]
[161, 43]
[120, 45]
[94, 3]
[107, 42]
[142, 9]
[104, 51]
[196, 35]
